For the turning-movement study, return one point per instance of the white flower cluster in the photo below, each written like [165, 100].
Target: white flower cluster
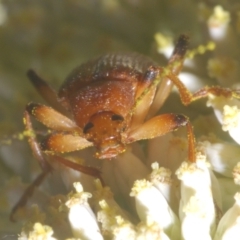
[199, 216]
[201, 201]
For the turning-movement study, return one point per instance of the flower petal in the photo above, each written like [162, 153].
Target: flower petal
[151, 203]
[227, 111]
[197, 209]
[40, 232]
[82, 220]
[229, 226]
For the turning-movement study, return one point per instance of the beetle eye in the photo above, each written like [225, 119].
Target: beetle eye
[150, 74]
[116, 117]
[87, 127]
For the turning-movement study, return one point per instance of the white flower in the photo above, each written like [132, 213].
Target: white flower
[236, 174]
[192, 204]
[222, 155]
[39, 232]
[161, 179]
[150, 230]
[82, 220]
[228, 114]
[114, 225]
[218, 23]
[231, 121]
[151, 203]
[229, 226]
[197, 209]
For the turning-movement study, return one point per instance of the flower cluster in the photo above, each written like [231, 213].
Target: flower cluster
[152, 191]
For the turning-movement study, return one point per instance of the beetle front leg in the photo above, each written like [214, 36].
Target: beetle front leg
[46, 168]
[37, 152]
[175, 65]
[188, 97]
[51, 118]
[161, 125]
[65, 142]
[56, 142]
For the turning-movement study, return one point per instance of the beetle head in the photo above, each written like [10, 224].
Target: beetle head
[104, 130]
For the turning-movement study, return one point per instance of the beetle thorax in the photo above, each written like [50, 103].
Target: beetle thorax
[105, 129]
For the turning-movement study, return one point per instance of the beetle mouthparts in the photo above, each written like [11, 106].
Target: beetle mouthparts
[108, 151]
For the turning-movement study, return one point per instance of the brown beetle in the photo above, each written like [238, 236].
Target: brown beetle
[109, 102]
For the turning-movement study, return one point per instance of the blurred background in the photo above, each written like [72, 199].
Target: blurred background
[53, 37]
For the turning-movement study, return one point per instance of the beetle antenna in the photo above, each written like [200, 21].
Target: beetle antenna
[181, 46]
[176, 60]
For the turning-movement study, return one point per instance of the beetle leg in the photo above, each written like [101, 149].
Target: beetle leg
[34, 144]
[46, 168]
[61, 143]
[56, 140]
[162, 124]
[165, 85]
[92, 171]
[45, 91]
[188, 97]
[64, 142]
[51, 118]
[142, 109]
[27, 194]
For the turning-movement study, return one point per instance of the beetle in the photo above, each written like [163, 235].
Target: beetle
[108, 103]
